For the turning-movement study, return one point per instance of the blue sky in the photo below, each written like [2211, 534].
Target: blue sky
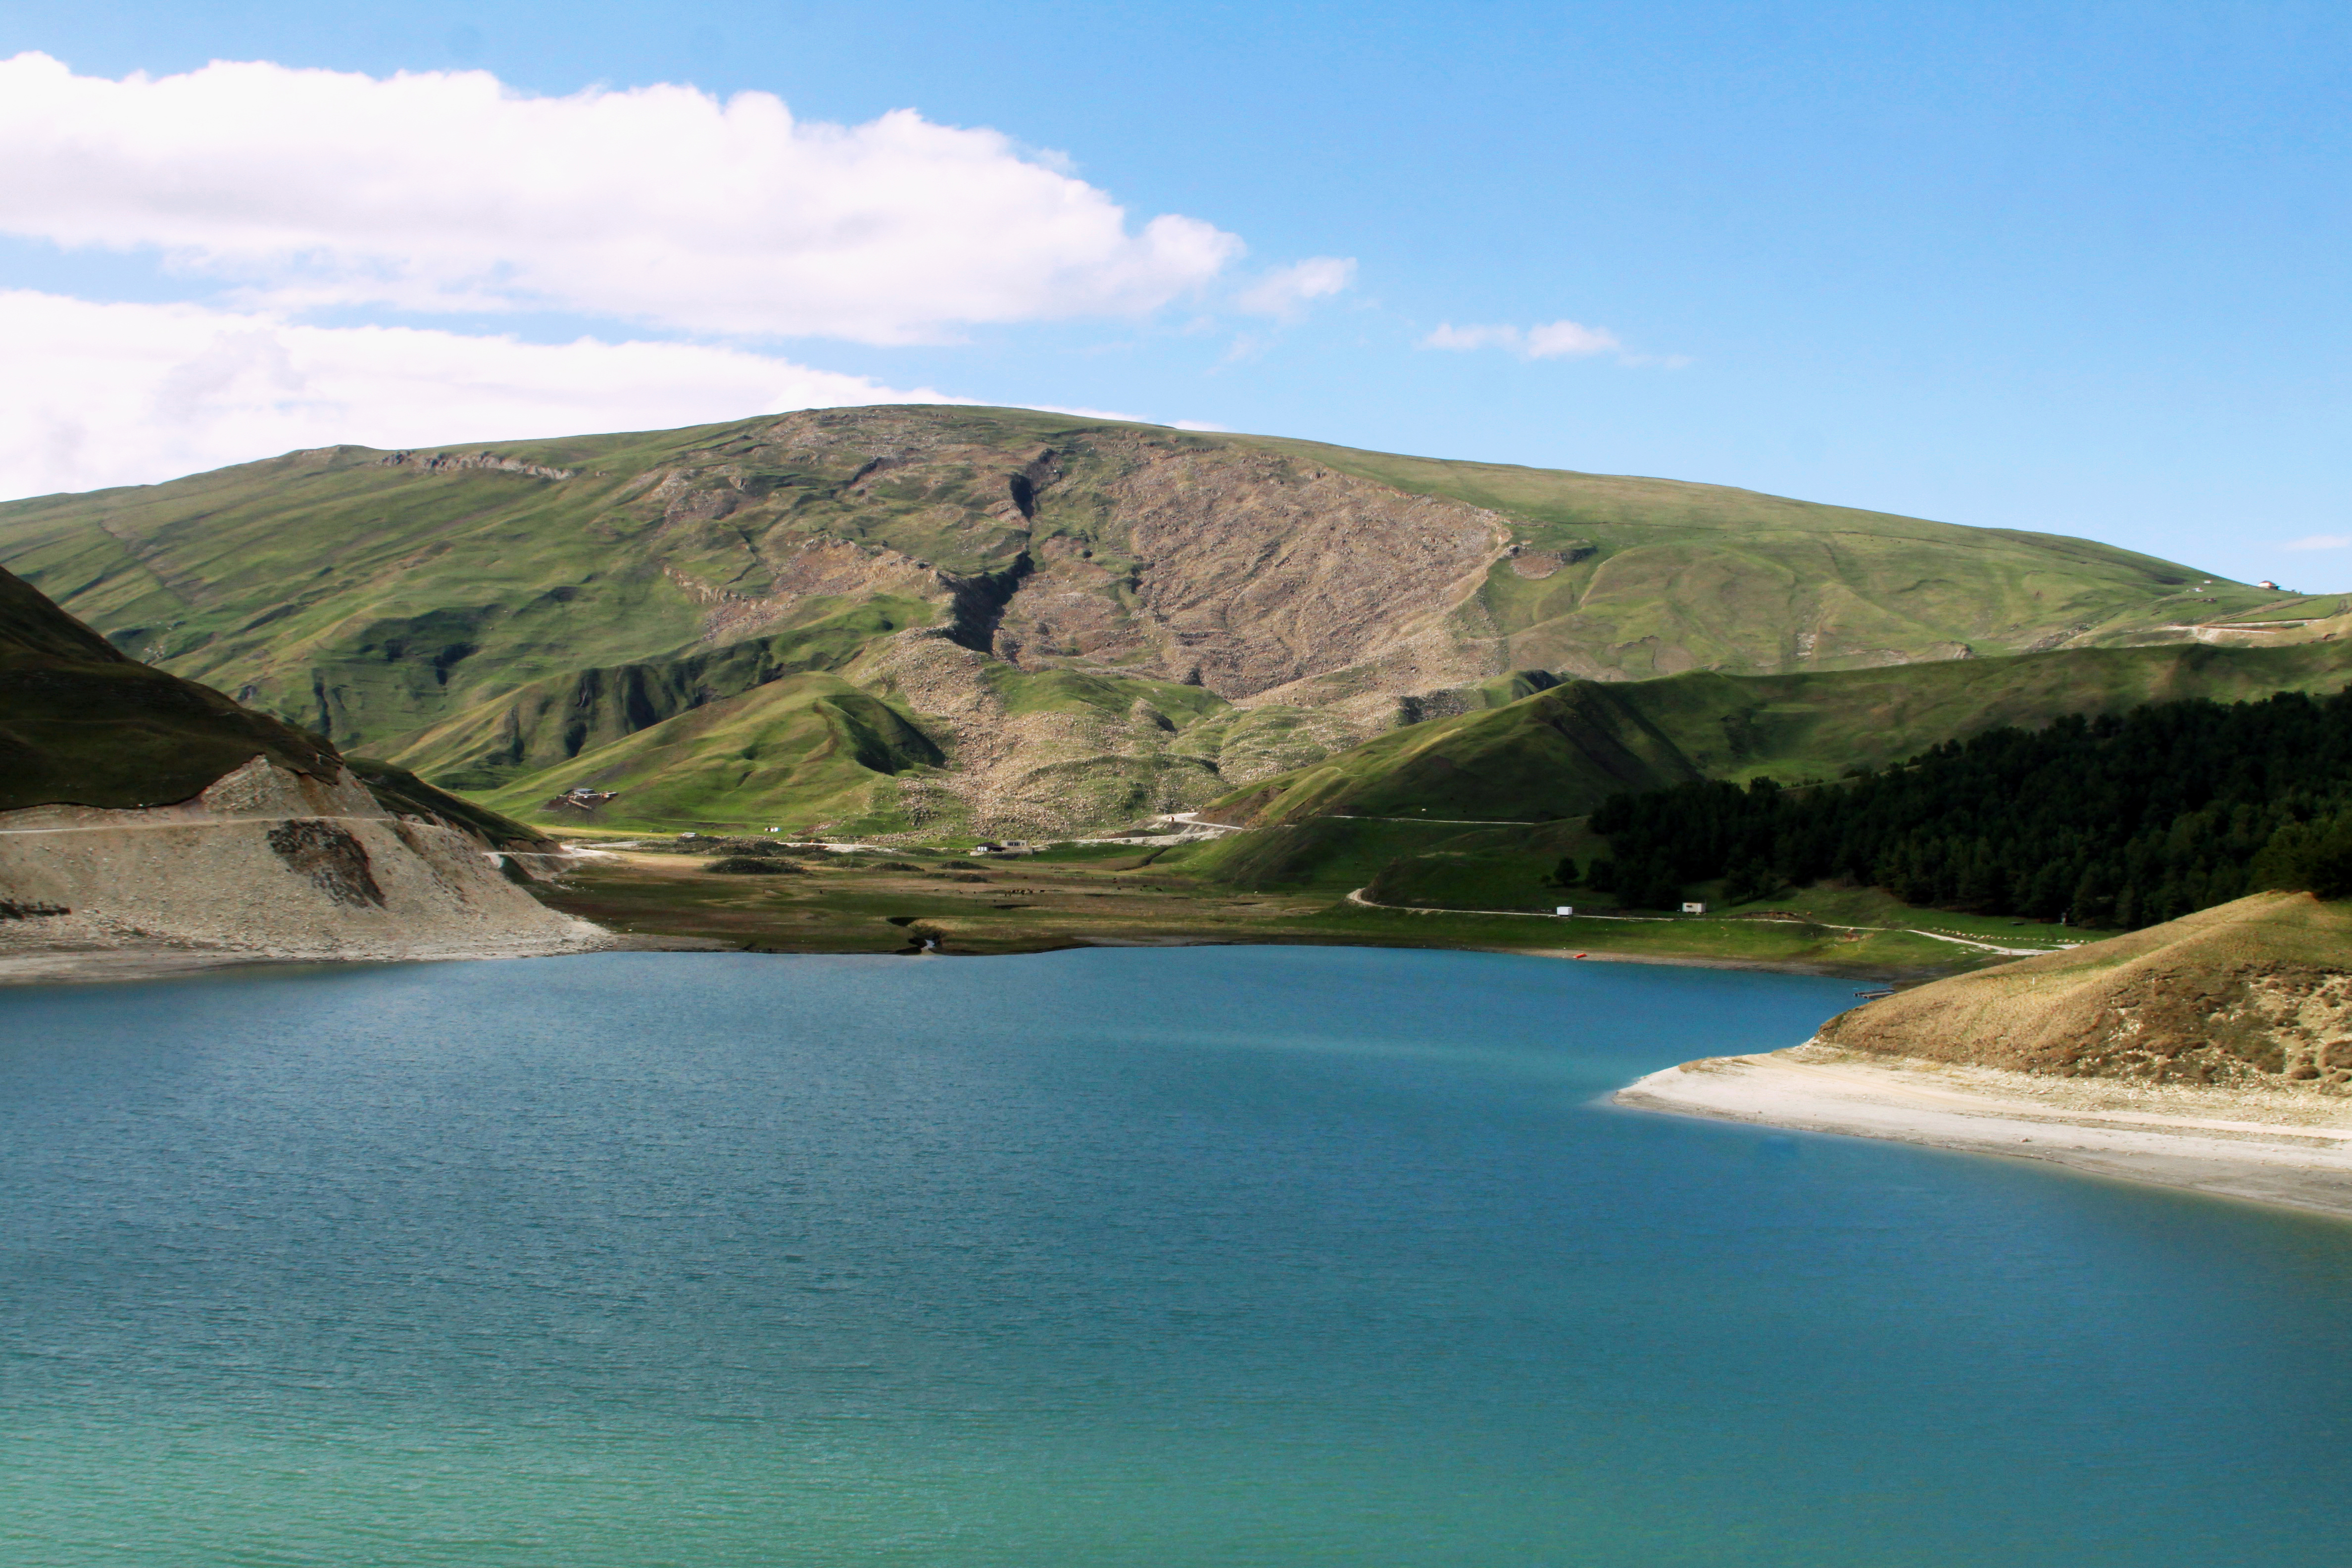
[2077, 268]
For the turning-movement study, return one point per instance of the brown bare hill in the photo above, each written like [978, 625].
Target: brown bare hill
[2258, 992]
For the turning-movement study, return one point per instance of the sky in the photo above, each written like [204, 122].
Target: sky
[2078, 269]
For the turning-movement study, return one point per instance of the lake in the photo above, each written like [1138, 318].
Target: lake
[1209, 1255]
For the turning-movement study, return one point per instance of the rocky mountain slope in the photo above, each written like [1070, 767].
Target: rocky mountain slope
[902, 619]
[143, 815]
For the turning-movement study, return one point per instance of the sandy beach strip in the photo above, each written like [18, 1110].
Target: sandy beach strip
[2259, 1145]
[135, 962]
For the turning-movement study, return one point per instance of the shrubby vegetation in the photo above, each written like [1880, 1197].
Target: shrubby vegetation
[2114, 821]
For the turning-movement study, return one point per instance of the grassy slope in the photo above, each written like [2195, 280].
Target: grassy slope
[1682, 576]
[1560, 752]
[82, 725]
[1553, 754]
[797, 749]
[374, 601]
[1379, 816]
[559, 722]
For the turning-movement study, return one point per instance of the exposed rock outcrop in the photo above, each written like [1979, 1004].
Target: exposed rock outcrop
[267, 863]
[459, 462]
[154, 816]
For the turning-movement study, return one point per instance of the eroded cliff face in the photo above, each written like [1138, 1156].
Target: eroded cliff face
[1124, 552]
[2255, 993]
[1312, 601]
[1255, 573]
[266, 863]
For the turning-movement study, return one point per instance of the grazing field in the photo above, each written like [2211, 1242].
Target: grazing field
[902, 902]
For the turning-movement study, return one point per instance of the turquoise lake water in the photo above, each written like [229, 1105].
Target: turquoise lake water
[1226, 1256]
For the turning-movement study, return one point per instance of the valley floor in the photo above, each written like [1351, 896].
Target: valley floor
[2265, 1145]
[1122, 894]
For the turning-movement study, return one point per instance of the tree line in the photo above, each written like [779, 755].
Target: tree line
[2114, 821]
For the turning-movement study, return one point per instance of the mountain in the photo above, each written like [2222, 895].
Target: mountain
[145, 815]
[930, 619]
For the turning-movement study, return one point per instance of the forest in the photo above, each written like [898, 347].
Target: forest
[2112, 823]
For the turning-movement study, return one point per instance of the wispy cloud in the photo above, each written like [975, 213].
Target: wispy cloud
[1549, 340]
[450, 191]
[1286, 290]
[2321, 542]
[1554, 340]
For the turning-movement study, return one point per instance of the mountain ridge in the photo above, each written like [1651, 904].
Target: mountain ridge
[950, 619]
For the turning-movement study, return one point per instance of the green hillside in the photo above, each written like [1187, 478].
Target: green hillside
[1560, 752]
[80, 724]
[1661, 577]
[2123, 821]
[1479, 811]
[861, 616]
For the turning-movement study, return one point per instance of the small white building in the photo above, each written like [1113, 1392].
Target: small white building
[1564, 910]
[1694, 908]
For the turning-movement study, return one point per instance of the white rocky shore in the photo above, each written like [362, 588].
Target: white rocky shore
[2270, 1145]
[267, 864]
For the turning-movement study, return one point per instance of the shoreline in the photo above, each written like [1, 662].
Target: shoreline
[99, 966]
[2280, 1147]
[112, 965]
[1875, 977]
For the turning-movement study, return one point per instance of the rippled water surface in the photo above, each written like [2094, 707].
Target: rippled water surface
[1204, 1257]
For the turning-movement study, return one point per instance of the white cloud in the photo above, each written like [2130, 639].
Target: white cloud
[1553, 339]
[1463, 339]
[1570, 339]
[2322, 542]
[450, 191]
[101, 395]
[1286, 290]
